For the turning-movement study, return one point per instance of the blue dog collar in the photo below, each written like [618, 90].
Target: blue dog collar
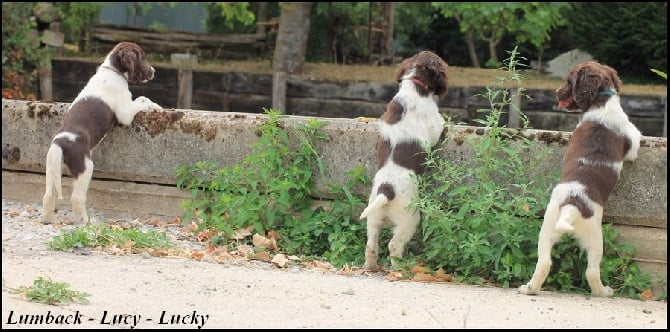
[607, 92]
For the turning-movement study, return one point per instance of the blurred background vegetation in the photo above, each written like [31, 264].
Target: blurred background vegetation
[631, 37]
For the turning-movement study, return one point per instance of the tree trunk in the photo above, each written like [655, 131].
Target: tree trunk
[291, 46]
[388, 9]
[261, 15]
[493, 43]
[469, 41]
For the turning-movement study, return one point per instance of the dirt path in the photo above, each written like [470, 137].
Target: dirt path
[135, 291]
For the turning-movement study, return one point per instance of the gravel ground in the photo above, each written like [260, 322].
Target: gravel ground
[143, 291]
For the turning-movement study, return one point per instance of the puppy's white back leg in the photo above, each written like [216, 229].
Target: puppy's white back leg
[53, 183]
[374, 225]
[546, 240]
[405, 226]
[79, 190]
[591, 239]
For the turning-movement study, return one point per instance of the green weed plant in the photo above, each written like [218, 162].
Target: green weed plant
[47, 291]
[273, 189]
[102, 235]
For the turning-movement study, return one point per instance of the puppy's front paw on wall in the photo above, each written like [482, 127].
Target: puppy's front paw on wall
[147, 104]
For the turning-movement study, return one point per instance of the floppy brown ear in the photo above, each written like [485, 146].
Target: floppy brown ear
[442, 80]
[403, 67]
[129, 60]
[585, 88]
[614, 77]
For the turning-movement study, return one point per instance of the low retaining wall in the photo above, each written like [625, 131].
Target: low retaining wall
[249, 93]
[135, 166]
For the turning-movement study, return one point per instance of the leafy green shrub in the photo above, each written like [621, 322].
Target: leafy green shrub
[272, 189]
[481, 217]
[44, 290]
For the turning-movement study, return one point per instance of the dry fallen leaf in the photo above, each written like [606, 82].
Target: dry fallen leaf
[647, 295]
[242, 233]
[261, 241]
[244, 250]
[423, 277]
[319, 265]
[197, 255]
[159, 252]
[205, 235]
[263, 256]
[440, 275]
[419, 269]
[280, 260]
[394, 276]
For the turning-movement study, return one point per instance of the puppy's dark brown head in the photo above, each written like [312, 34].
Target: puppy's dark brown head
[428, 71]
[129, 59]
[588, 85]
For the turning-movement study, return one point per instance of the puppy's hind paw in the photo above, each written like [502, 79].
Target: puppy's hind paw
[526, 290]
[606, 291]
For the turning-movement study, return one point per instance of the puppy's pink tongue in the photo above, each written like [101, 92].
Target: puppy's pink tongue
[565, 102]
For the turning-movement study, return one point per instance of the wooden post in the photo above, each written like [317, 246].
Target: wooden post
[514, 109]
[185, 62]
[665, 116]
[46, 82]
[279, 91]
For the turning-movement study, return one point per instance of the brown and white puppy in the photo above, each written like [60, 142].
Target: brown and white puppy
[411, 124]
[104, 102]
[601, 142]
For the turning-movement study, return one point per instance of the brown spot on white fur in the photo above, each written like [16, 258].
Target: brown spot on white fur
[88, 120]
[410, 155]
[594, 142]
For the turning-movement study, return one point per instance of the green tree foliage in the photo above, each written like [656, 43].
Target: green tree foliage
[491, 21]
[631, 37]
[20, 51]
[231, 17]
[78, 19]
[338, 32]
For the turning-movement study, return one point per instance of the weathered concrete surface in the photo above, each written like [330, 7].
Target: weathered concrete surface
[135, 167]
[159, 142]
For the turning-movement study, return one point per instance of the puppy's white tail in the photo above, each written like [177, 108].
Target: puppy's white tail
[569, 213]
[378, 202]
[54, 170]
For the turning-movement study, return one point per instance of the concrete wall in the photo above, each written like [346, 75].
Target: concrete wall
[250, 93]
[135, 166]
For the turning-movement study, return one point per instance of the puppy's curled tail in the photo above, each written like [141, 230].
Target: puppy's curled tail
[379, 201]
[567, 216]
[54, 170]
